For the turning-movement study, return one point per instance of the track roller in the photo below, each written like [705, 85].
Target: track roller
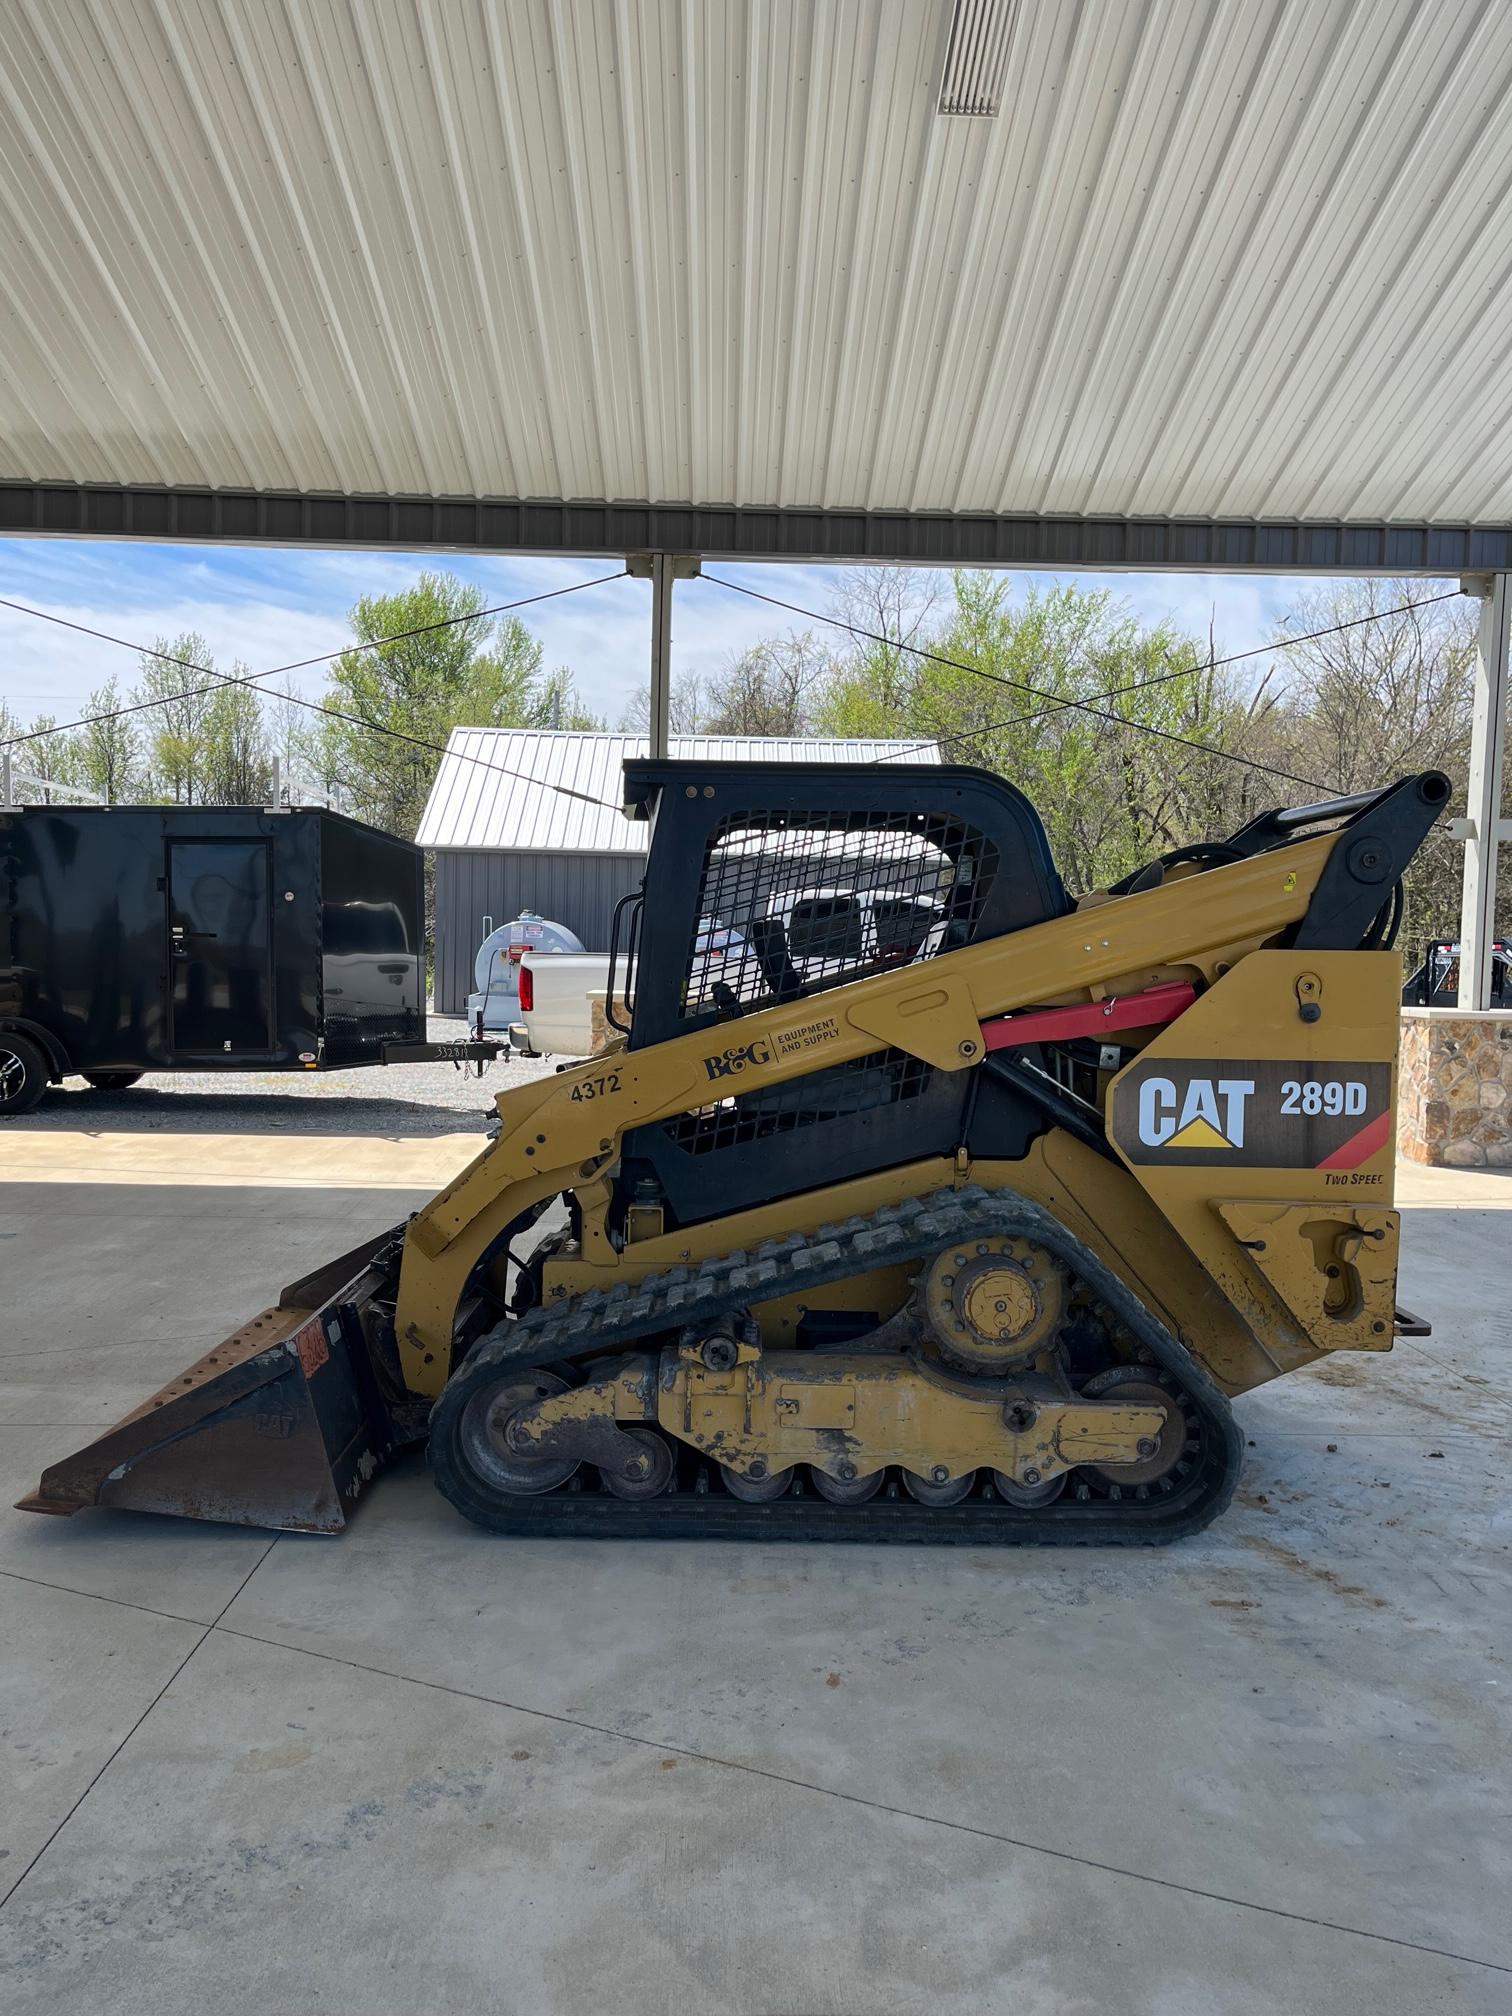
[1027, 1497]
[846, 1490]
[646, 1473]
[939, 1490]
[755, 1490]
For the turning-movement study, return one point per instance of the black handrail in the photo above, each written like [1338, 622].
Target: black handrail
[633, 902]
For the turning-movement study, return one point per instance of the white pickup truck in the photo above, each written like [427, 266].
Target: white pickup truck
[828, 931]
[556, 1014]
[557, 989]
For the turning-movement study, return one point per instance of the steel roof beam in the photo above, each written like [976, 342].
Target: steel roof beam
[753, 532]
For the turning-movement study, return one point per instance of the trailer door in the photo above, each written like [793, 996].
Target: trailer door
[220, 945]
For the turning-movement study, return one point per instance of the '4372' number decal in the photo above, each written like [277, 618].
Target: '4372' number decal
[595, 1088]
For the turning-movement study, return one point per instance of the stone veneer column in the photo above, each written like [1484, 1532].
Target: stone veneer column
[1454, 1089]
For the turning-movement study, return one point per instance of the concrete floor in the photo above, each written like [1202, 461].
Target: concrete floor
[417, 1769]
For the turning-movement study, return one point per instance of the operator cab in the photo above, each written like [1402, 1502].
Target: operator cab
[777, 883]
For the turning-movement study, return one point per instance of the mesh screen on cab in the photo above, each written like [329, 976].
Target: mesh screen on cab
[792, 903]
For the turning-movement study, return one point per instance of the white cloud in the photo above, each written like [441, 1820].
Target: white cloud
[45, 669]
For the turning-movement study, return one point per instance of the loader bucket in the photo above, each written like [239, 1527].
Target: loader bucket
[281, 1425]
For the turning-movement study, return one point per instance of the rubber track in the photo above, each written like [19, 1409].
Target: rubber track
[605, 1321]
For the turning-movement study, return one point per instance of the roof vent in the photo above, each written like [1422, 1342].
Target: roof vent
[976, 61]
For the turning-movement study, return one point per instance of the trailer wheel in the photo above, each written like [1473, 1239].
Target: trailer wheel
[23, 1074]
[110, 1081]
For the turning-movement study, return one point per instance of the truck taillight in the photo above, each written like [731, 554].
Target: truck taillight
[527, 991]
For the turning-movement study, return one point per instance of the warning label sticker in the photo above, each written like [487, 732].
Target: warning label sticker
[313, 1348]
[1256, 1115]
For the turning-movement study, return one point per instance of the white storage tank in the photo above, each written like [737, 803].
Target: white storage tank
[496, 969]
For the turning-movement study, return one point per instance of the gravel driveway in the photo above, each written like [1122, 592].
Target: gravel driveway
[397, 1099]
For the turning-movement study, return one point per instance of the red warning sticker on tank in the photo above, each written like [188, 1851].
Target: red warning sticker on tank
[1206, 1112]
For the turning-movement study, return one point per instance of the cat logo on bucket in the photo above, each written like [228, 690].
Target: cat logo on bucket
[1205, 1113]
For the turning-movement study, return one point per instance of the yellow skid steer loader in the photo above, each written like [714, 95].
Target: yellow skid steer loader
[915, 1200]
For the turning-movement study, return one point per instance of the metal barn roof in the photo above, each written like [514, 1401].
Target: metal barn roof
[474, 807]
[1212, 263]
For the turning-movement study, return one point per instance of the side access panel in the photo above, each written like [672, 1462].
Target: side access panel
[1277, 1088]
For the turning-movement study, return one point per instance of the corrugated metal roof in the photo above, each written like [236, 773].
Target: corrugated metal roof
[1249, 260]
[475, 802]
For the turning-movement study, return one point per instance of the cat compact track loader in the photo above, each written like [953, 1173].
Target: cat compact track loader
[916, 1201]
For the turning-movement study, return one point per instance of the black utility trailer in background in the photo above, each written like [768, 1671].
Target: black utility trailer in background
[201, 938]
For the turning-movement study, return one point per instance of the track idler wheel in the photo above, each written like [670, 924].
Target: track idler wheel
[483, 1442]
[1142, 1386]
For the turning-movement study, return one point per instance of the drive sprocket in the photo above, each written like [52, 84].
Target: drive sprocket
[994, 1304]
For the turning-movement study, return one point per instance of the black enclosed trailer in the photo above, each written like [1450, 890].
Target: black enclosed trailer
[199, 938]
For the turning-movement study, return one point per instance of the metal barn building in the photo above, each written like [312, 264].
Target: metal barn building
[503, 845]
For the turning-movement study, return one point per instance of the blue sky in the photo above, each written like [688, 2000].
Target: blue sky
[268, 605]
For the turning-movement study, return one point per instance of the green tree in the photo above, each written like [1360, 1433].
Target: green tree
[236, 755]
[771, 689]
[175, 729]
[554, 703]
[109, 757]
[1110, 791]
[41, 755]
[873, 683]
[415, 688]
[51, 758]
[11, 725]
[1370, 701]
[206, 740]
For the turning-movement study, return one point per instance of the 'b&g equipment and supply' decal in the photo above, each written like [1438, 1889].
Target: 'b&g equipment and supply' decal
[1204, 1111]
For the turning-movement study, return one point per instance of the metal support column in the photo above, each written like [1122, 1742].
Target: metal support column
[1483, 828]
[662, 569]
